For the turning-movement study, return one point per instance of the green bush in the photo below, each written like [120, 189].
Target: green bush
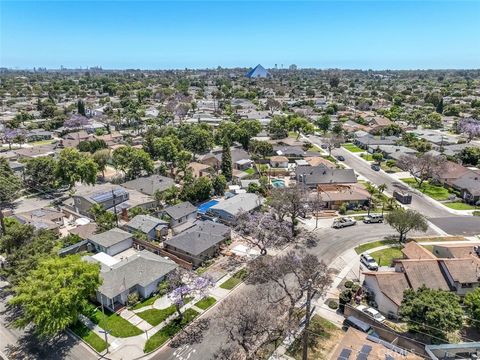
[348, 284]
[332, 304]
[132, 299]
[476, 213]
[342, 210]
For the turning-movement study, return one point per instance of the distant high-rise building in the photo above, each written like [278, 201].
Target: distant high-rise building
[258, 72]
[292, 67]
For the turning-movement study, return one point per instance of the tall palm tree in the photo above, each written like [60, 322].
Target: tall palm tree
[381, 188]
[372, 190]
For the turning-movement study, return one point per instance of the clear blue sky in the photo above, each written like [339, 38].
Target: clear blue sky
[159, 34]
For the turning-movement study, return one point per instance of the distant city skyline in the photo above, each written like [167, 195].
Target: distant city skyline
[176, 35]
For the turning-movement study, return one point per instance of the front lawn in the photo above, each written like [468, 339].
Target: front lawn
[458, 205]
[364, 247]
[249, 171]
[118, 326]
[352, 148]
[89, 336]
[155, 316]
[205, 303]
[145, 302]
[236, 279]
[367, 157]
[169, 330]
[434, 191]
[385, 257]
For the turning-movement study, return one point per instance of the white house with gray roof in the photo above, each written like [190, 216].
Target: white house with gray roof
[150, 184]
[151, 226]
[228, 210]
[140, 273]
[112, 242]
[180, 213]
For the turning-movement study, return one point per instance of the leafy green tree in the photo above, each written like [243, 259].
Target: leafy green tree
[378, 157]
[226, 165]
[226, 129]
[167, 149]
[434, 312]
[91, 146]
[73, 166]
[81, 107]
[471, 304]
[105, 220]
[16, 236]
[10, 186]
[299, 125]
[170, 196]
[196, 138]
[246, 130]
[53, 295]
[405, 221]
[101, 158]
[262, 148]
[337, 129]
[198, 190]
[39, 174]
[132, 161]
[324, 123]
[219, 184]
[470, 156]
[278, 127]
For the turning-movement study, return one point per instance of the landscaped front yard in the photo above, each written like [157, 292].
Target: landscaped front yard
[364, 247]
[155, 316]
[352, 147]
[205, 303]
[436, 192]
[458, 205]
[169, 330]
[145, 302]
[89, 336]
[115, 324]
[385, 257]
[236, 279]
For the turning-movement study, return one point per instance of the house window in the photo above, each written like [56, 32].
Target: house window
[466, 285]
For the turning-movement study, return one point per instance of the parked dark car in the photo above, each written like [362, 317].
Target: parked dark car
[375, 167]
[340, 158]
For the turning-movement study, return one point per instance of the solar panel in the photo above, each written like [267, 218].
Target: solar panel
[363, 355]
[345, 354]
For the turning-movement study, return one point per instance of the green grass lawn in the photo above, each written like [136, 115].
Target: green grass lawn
[169, 330]
[384, 257]
[249, 171]
[352, 148]
[145, 302]
[364, 247]
[205, 303]
[330, 158]
[89, 336]
[118, 326]
[155, 316]
[236, 279]
[367, 157]
[458, 205]
[434, 191]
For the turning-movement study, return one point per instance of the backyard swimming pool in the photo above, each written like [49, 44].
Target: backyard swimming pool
[203, 208]
[278, 183]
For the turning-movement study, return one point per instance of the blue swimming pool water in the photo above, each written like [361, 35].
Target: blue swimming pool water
[278, 183]
[203, 208]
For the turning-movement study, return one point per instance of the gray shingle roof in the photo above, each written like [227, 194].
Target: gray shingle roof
[180, 210]
[150, 184]
[312, 175]
[238, 203]
[200, 237]
[145, 223]
[141, 269]
[110, 237]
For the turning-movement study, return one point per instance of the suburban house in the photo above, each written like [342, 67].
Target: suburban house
[180, 214]
[151, 226]
[318, 160]
[460, 275]
[112, 242]
[111, 197]
[469, 186]
[200, 170]
[333, 196]
[366, 141]
[149, 185]
[198, 243]
[435, 137]
[279, 161]
[452, 172]
[38, 135]
[138, 273]
[35, 152]
[243, 164]
[394, 152]
[44, 218]
[228, 210]
[312, 176]
[459, 250]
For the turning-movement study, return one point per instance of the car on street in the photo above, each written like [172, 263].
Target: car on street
[371, 312]
[369, 262]
[375, 167]
[343, 222]
[373, 218]
[340, 158]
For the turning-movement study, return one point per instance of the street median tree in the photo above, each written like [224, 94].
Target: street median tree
[405, 221]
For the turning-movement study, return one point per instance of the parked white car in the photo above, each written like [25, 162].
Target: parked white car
[343, 222]
[369, 262]
[371, 312]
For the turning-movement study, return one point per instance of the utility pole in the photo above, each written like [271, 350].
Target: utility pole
[115, 207]
[307, 320]
[105, 331]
